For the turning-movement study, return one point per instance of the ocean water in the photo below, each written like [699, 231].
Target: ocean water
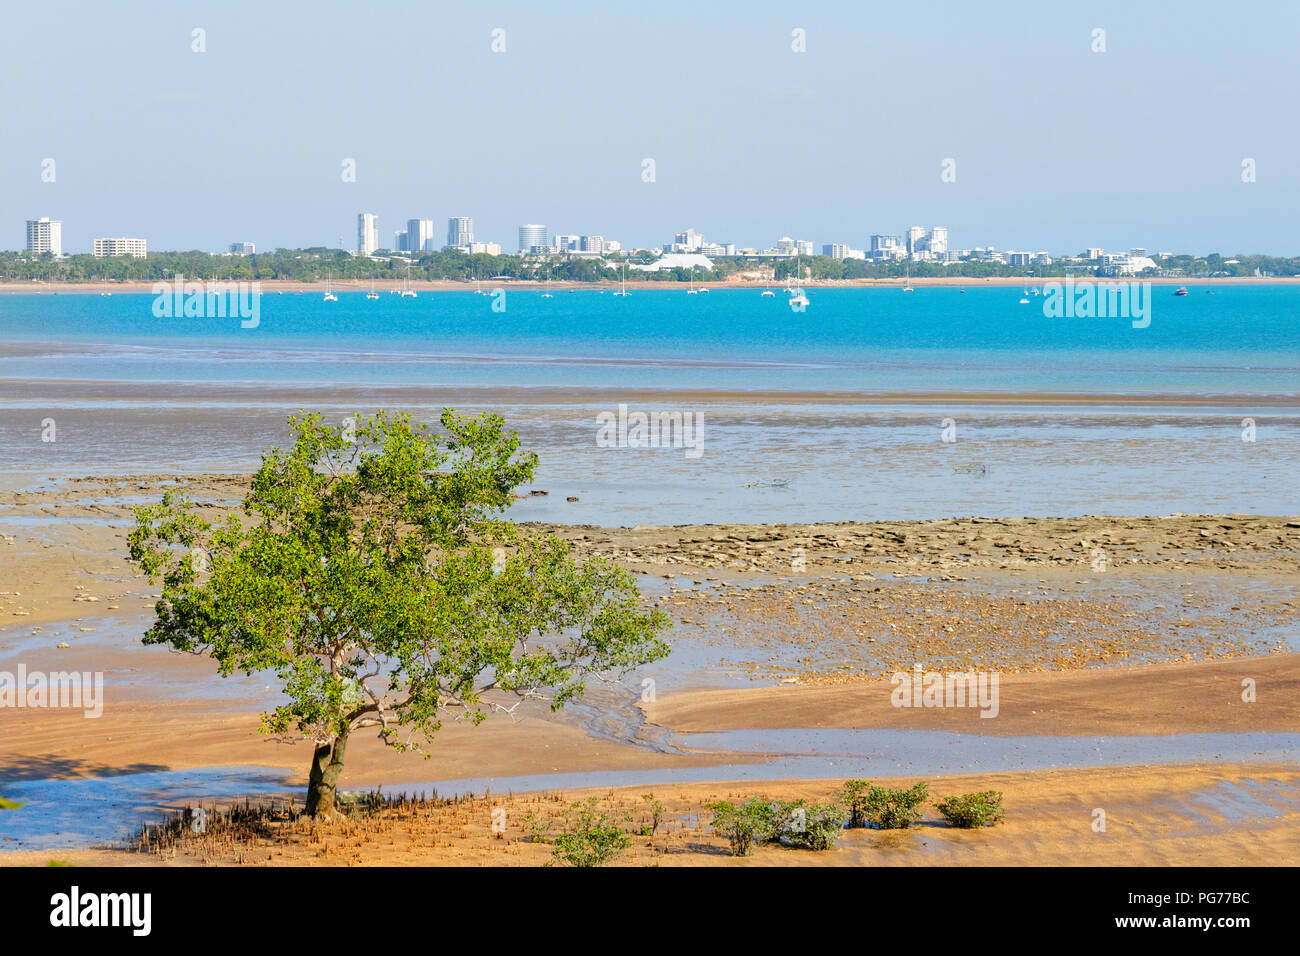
[1239, 340]
[836, 413]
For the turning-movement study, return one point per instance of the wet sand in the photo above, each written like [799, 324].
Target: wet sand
[1183, 816]
[1157, 644]
[153, 397]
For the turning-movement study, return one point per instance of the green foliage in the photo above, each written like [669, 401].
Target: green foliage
[891, 809]
[657, 809]
[815, 827]
[973, 809]
[536, 827]
[791, 823]
[312, 265]
[591, 837]
[743, 825]
[362, 575]
[854, 797]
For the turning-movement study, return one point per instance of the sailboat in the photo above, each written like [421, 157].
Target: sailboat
[768, 293]
[907, 282]
[329, 296]
[547, 293]
[372, 294]
[407, 291]
[797, 298]
[692, 290]
[622, 281]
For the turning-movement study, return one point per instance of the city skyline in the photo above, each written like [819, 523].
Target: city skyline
[917, 244]
[834, 141]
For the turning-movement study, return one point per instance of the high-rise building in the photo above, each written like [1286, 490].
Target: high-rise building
[593, 244]
[939, 241]
[243, 248]
[803, 247]
[836, 250]
[785, 246]
[915, 239]
[532, 238]
[460, 231]
[45, 235]
[419, 235]
[399, 241]
[367, 234]
[120, 246]
[688, 241]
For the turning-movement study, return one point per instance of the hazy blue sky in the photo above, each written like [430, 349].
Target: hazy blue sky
[1056, 147]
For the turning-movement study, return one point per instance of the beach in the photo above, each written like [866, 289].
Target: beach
[1112, 533]
[274, 286]
[1140, 666]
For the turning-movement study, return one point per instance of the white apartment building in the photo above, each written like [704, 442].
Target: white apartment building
[121, 246]
[45, 235]
[419, 235]
[368, 234]
[460, 231]
[938, 241]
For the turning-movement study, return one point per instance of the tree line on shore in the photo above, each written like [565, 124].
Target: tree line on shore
[310, 265]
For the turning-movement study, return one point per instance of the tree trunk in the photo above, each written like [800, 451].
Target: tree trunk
[322, 785]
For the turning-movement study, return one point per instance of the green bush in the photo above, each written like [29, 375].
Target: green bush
[973, 809]
[791, 823]
[854, 797]
[590, 837]
[816, 828]
[743, 825]
[893, 809]
[783, 818]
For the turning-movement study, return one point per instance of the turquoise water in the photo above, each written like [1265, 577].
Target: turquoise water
[1242, 340]
[136, 394]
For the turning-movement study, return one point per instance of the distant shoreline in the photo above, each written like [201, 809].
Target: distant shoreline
[448, 285]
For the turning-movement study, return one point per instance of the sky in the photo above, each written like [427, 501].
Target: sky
[1055, 146]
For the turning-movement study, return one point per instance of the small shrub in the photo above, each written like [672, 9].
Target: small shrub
[854, 798]
[590, 837]
[743, 825]
[894, 809]
[816, 827]
[536, 827]
[971, 810]
[783, 818]
[657, 810]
